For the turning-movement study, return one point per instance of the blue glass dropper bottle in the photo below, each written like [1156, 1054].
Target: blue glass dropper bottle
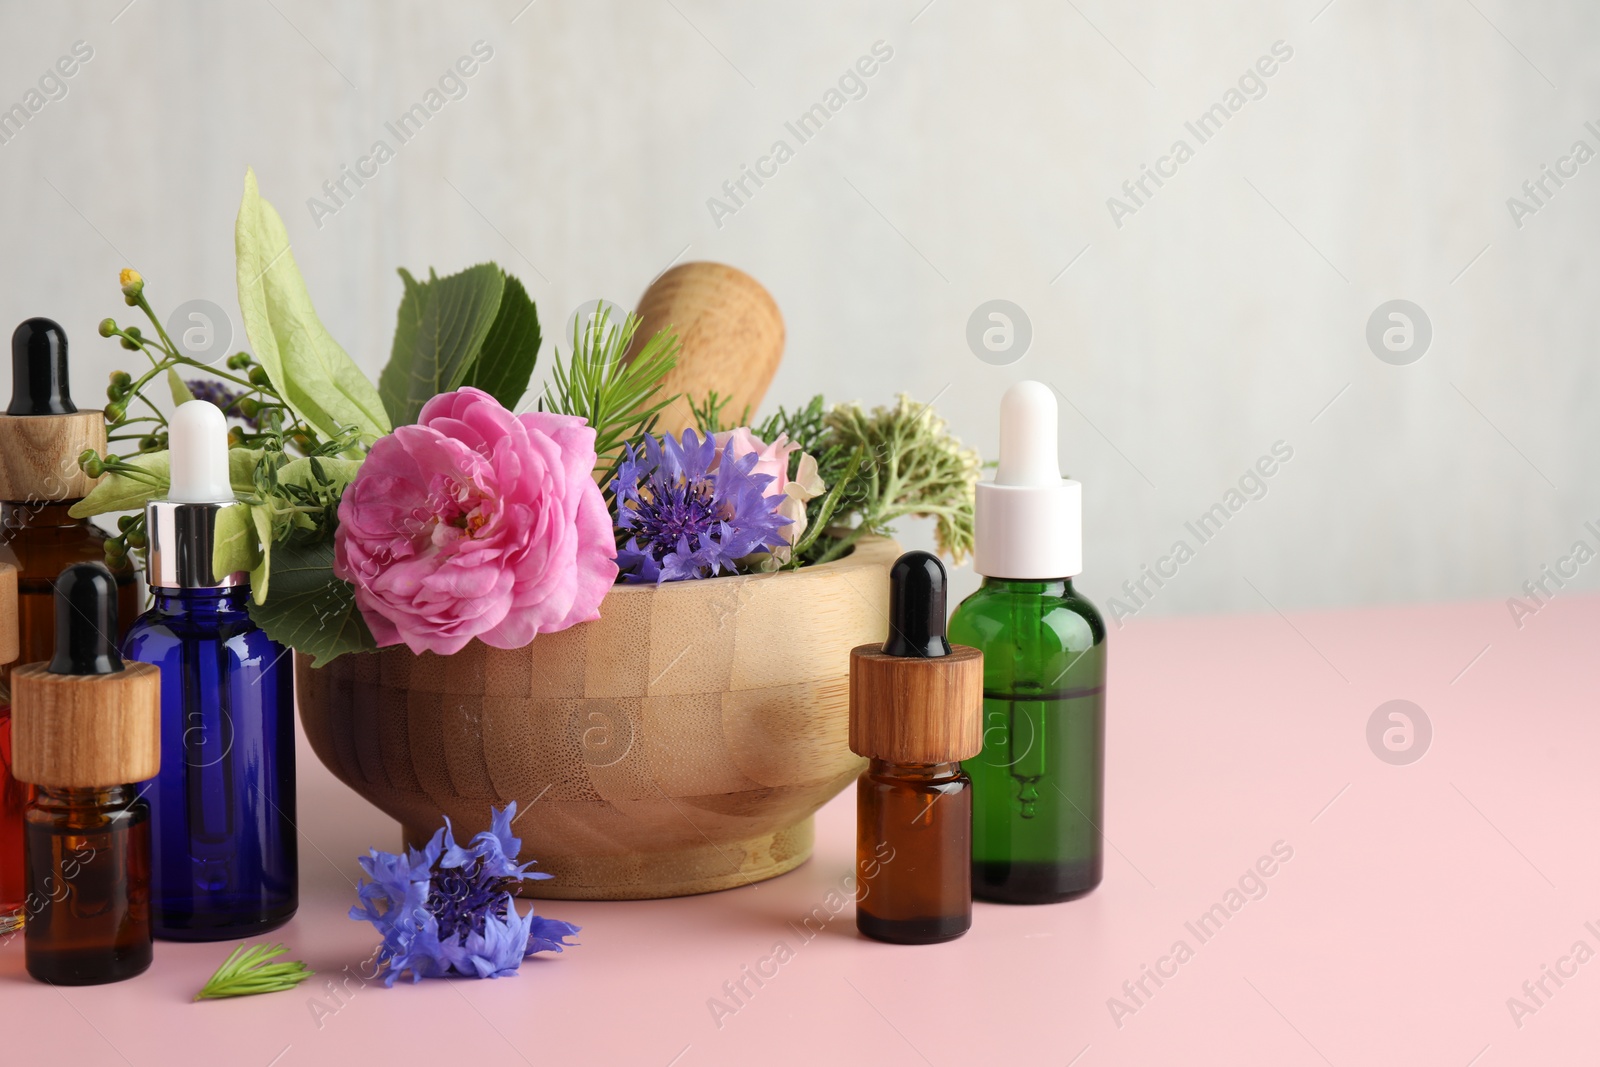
[223, 808]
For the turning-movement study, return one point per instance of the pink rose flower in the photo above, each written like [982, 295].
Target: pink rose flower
[771, 459]
[476, 523]
[792, 493]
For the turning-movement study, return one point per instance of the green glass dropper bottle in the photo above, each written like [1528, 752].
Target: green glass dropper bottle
[1038, 786]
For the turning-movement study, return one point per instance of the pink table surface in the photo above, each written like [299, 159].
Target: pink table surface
[1418, 898]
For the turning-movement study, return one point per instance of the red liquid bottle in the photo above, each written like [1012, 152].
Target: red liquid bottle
[13, 794]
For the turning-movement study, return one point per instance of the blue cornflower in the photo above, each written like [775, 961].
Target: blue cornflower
[447, 909]
[685, 519]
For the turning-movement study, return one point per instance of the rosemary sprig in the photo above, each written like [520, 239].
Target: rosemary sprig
[246, 972]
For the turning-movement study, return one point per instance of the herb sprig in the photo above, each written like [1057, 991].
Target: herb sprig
[247, 972]
[907, 463]
[619, 397]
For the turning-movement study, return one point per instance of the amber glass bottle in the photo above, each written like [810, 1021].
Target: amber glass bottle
[41, 539]
[86, 725]
[42, 433]
[915, 712]
[88, 885]
[923, 889]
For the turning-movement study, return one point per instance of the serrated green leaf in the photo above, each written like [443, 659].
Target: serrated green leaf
[511, 350]
[320, 382]
[441, 329]
[310, 609]
[181, 394]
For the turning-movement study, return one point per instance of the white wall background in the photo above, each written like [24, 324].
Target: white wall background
[1224, 316]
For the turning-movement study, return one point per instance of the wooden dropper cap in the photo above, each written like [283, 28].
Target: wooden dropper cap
[918, 698]
[86, 720]
[42, 433]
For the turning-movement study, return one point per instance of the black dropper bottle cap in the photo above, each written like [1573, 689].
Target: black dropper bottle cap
[916, 607]
[39, 370]
[86, 621]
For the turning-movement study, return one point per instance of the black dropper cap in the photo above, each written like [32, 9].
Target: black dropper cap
[39, 370]
[916, 607]
[86, 621]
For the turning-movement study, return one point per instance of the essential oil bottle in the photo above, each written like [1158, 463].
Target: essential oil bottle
[914, 712]
[223, 807]
[42, 434]
[87, 729]
[1038, 786]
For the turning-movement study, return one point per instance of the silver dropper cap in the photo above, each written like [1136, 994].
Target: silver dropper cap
[182, 528]
[182, 546]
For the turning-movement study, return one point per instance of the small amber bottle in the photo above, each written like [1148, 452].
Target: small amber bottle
[916, 712]
[42, 433]
[86, 726]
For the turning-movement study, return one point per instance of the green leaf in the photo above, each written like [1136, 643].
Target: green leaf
[126, 492]
[242, 468]
[181, 393]
[321, 384]
[511, 349]
[247, 971]
[236, 545]
[242, 541]
[340, 472]
[441, 328]
[310, 609]
[261, 516]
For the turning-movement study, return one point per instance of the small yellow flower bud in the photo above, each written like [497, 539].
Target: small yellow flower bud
[132, 282]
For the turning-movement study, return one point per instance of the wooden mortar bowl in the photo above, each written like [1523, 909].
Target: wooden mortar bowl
[679, 744]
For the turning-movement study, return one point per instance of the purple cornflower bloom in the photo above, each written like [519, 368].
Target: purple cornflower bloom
[447, 909]
[687, 520]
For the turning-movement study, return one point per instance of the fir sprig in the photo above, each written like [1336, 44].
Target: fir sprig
[806, 427]
[708, 413]
[619, 397]
[246, 972]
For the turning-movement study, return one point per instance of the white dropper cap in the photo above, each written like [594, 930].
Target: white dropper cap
[197, 442]
[1029, 520]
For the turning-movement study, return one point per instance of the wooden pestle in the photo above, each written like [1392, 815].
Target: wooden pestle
[732, 336]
